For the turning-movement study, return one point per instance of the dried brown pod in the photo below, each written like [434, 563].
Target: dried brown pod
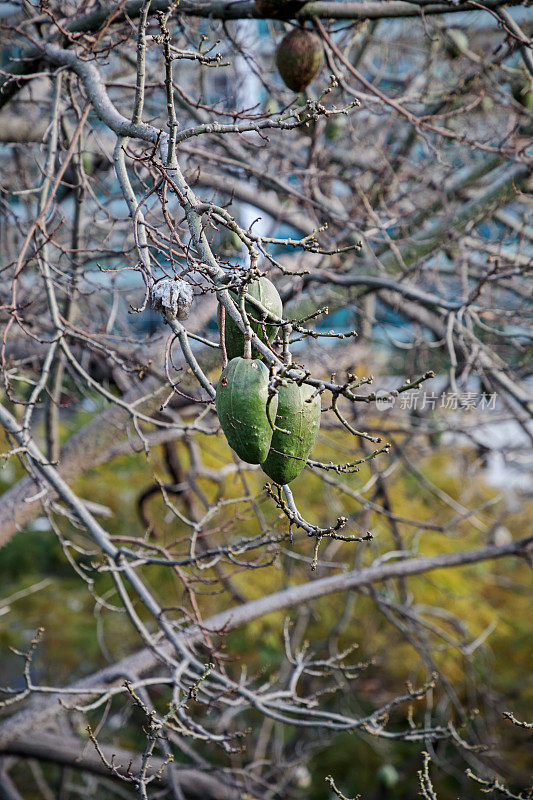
[298, 58]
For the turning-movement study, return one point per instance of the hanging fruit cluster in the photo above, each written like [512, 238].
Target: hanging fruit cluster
[278, 427]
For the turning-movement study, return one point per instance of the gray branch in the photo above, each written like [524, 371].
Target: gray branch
[42, 710]
[195, 784]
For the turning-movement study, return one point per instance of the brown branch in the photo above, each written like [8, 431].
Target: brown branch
[42, 710]
[54, 749]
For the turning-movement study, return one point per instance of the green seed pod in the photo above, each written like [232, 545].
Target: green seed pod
[241, 403]
[267, 294]
[388, 775]
[298, 422]
[298, 58]
[523, 95]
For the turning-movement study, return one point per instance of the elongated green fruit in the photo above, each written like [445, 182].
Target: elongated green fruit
[301, 420]
[241, 402]
[263, 290]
